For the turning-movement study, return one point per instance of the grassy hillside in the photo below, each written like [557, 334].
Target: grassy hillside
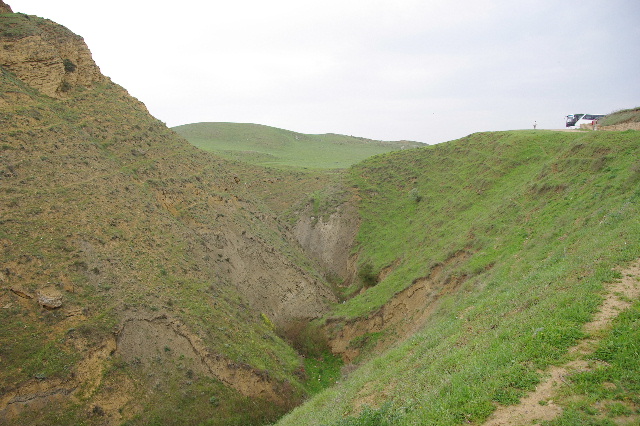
[170, 275]
[478, 263]
[264, 145]
[515, 235]
[623, 116]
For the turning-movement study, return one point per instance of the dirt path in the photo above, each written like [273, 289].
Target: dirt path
[529, 411]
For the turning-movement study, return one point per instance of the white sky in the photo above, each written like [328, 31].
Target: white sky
[430, 70]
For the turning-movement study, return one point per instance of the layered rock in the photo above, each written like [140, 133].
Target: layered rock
[47, 57]
[5, 8]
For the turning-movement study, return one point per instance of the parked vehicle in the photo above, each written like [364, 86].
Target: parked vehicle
[588, 119]
[570, 120]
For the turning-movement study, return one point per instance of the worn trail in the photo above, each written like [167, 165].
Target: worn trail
[529, 410]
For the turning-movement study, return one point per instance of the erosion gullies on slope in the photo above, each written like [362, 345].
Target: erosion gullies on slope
[404, 314]
[169, 275]
[542, 217]
[329, 239]
[143, 338]
[41, 394]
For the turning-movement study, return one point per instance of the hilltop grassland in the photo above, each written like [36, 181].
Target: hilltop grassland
[270, 146]
[622, 116]
[515, 237]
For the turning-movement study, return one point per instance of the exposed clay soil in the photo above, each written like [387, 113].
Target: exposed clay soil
[404, 314]
[529, 411]
[329, 241]
[147, 340]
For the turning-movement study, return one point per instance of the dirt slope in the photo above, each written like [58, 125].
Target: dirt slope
[153, 254]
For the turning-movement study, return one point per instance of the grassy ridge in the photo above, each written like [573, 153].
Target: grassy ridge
[631, 115]
[545, 216]
[258, 144]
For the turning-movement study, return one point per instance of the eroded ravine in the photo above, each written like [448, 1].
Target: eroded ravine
[403, 315]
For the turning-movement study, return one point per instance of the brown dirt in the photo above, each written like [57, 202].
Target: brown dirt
[152, 341]
[329, 241]
[404, 314]
[529, 410]
[621, 127]
[105, 203]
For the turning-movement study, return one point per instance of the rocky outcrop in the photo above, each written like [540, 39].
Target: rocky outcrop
[49, 298]
[5, 8]
[46, 56]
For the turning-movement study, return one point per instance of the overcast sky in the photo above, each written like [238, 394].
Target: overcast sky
[425, 70]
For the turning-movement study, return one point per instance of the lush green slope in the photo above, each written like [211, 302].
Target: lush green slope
[258, 144]
[524, 229]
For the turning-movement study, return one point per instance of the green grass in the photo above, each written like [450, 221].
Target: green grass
[264, 145]
[623, 116]
[322, 371]
[543, 218]
[610, 393]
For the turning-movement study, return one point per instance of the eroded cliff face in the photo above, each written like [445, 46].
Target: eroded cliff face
[48, 58]
[5, 8]
[329, 240]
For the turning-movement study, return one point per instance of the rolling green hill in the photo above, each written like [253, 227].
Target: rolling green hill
[264, 145]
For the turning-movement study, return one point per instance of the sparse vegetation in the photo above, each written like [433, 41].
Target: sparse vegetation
[69, 66]
[366, 274]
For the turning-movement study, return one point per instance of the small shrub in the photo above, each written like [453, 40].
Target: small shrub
[305, 337]
[367, 276]
[65, 86]
[214, 401]
[267, 321]
[69, 66]
[415, 195]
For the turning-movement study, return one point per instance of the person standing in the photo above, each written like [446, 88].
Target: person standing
[535, 124]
